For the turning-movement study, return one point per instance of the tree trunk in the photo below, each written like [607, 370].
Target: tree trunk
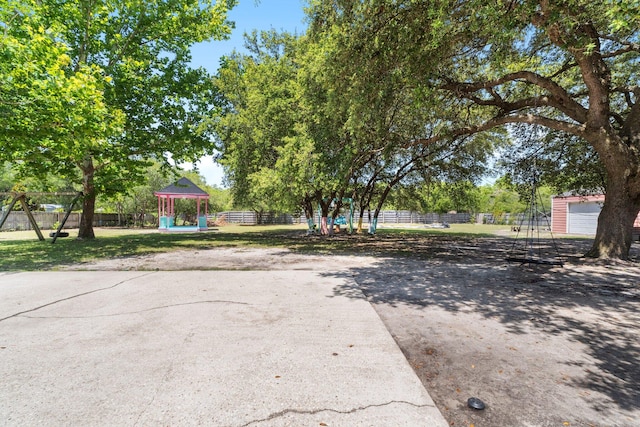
[383, 198]
[89, 200]
[307, 206]
[324, 214]
[259, 215]
[615, 222]
[362, 209]
[622, 200]
[334, 214]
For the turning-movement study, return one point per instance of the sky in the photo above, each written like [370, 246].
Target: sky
[281, 15]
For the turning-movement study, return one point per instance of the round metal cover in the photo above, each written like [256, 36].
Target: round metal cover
[475, 403]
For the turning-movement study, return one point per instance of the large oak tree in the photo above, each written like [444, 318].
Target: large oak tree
[570, 66]
[130, 94]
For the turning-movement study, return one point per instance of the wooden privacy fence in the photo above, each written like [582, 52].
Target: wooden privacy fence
[385, 217]
[17, 220]
[410, 217]
[252, 218]
[541, 220]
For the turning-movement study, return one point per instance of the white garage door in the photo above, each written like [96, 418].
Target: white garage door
[583, 217]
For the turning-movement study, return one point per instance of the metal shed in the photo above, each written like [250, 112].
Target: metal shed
[572, 214]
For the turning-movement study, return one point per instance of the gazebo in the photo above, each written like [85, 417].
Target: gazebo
[183, 189]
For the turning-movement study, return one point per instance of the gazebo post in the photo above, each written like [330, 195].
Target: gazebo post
[202, 221]
[162, 220]
[159, 213]
[172, 211]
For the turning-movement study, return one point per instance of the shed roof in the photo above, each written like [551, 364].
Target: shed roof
[183, 187]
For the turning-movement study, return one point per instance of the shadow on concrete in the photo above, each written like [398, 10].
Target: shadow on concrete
[459, 277]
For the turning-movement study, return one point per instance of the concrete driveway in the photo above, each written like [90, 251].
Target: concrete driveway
[219, 348]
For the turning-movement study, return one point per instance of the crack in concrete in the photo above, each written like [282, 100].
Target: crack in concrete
[72, 297]
[317, 411]
[126, 313]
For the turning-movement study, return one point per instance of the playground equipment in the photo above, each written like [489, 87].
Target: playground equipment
[22, 198]
[531, 248]
[330, 222]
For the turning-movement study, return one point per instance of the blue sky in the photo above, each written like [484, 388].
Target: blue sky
[286, 15]
[281, 15]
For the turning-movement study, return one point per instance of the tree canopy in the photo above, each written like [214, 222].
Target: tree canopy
[93, 89]
[569, 67]
[294, 133]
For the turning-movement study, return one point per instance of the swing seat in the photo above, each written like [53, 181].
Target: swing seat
[535, 261]
[59, 235]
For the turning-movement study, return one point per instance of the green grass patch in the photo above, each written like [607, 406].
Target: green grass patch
[23, 251]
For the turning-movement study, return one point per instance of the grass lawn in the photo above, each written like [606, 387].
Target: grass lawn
[21, 250]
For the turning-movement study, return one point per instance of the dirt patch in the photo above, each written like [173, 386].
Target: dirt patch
[229, 259]
[540, 345]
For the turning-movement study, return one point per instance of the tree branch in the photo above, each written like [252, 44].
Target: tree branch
[627, 47]
[125, 46]
[558, 97]
[83, 53]
[565, 67]
[578, 130]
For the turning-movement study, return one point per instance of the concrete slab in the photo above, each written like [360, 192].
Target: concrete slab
[220, 348]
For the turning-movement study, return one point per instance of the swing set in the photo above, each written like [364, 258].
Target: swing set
[531, 248]
[22, 198]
